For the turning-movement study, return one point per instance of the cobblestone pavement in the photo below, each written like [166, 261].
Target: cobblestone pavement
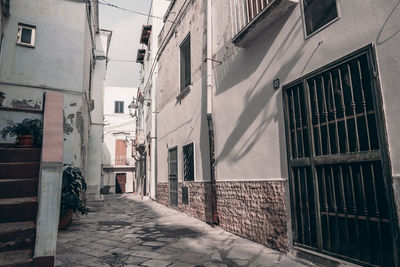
[127, 231]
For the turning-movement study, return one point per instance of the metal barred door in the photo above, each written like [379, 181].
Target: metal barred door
[338, 187]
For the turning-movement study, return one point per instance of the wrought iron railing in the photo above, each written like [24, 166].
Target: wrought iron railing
[245, 11]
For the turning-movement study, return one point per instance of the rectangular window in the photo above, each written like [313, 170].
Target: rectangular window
[119, 107]
[185, 63]
[188, 163]
[26, 35]
[318, 13]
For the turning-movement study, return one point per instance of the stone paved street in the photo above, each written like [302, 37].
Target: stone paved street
[127, 231]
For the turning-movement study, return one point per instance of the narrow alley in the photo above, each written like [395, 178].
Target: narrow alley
[127, 231]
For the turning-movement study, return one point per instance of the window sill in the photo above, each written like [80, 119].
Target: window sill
[25, 45]
[184, 92]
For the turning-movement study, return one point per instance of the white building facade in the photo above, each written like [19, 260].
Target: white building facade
[302, 139]
[118, 169]
[146, 172]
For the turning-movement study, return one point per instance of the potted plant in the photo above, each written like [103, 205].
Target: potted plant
[2, 97]
[29, 132]
[72, 195]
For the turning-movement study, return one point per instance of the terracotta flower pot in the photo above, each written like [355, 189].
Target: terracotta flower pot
[65, 221]
[25, 141]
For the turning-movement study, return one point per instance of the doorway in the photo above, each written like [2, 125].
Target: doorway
[120, 182]
[173, 176]
[339, 183]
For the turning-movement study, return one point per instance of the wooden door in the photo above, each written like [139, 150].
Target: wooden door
[120, 152]
[120, 182]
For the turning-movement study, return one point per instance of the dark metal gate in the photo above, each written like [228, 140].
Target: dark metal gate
[173, 176]
[338, 184]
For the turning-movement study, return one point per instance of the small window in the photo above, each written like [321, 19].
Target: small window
[26, 35]
[318, 13]
[185, 63]
[119, 107]
[188, 163]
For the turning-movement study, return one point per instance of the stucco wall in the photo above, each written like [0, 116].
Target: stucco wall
[182, 122]
[59, 61]
[249, 125]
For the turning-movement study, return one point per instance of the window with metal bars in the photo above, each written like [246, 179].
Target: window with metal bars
[318, 13]
[338, 187]
[119, 107]
[185, 63]
[188, 163]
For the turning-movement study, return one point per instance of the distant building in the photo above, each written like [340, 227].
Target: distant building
[118, 169]
[146, 145]
[278, 120]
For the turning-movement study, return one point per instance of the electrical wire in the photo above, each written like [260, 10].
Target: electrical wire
[129, 10]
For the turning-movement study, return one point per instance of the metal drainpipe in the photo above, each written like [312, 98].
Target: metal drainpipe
[213, 192]
[153, 147]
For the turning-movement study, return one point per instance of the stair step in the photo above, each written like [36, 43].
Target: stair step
[17, 235]
[18, 209]
[11, 188]
[19, 170]
[16, 258]
[20, 154]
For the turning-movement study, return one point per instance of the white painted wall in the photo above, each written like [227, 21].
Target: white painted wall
[117, 126]
[182, 122]
[59, 61]
[95, 157]
[250, 136]
[148, 85]
[249, 123]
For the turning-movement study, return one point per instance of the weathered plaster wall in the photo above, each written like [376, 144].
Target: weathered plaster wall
[183, 122]
[95, 157]
[58, 62]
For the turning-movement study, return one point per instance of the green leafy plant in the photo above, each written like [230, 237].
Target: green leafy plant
[32, 127]
[73, 189]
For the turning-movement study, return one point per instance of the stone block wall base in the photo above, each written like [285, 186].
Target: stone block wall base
[199, 199]
[43, 261]
[255, 210]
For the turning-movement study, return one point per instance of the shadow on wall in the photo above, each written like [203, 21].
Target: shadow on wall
[260, 99]
[385, 34]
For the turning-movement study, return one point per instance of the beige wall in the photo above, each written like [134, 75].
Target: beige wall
[182, 122]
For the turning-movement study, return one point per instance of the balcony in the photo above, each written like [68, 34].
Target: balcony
[255, 16]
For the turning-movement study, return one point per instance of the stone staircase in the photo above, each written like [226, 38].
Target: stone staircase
[19, 176]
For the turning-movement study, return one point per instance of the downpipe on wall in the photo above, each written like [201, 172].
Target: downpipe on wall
[214, 214]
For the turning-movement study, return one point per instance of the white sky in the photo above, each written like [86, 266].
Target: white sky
[126, 28]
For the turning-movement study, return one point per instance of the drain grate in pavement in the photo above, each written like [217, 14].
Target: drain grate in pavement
[115, 259]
